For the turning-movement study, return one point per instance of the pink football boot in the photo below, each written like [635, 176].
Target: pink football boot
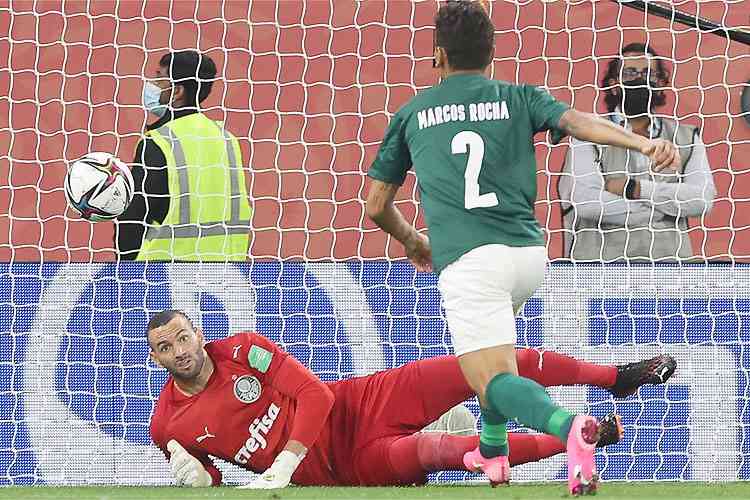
[497, 469]
[582, 476]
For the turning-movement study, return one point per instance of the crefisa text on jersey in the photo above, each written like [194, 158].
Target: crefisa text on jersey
[258, 430]
[478, 112]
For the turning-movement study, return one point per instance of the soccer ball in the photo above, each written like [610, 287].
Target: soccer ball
[99, 186]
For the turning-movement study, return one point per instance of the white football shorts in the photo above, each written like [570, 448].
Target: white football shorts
[483, 290]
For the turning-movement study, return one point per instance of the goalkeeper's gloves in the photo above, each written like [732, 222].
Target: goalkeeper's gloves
[279, 475]
[186, 469]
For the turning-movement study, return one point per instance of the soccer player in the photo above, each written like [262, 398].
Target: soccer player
[470, 141]
[246, 401]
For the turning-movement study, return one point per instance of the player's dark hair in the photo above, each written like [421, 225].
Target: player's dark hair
[466, 33]
[164, 317]
[194, 71]
[614, 67]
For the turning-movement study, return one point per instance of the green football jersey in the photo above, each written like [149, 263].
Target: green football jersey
[470, 140]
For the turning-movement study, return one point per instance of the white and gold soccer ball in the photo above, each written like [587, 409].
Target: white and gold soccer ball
[99, 186]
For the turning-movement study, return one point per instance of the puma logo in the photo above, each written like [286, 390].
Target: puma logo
[664, 370]
[236, 351]
[205, 436]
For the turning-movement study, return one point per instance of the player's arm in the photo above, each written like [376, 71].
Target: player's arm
[592, 128]
[314, 402]
[383, 212]
[388, 172]
[313, 398]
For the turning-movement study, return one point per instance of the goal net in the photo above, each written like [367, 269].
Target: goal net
[309, 87]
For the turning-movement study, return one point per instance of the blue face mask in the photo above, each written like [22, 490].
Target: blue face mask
[151, 94]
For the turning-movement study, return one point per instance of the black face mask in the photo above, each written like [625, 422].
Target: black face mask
[637, 97]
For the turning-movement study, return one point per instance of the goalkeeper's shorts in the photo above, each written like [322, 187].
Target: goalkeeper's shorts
[484, 288]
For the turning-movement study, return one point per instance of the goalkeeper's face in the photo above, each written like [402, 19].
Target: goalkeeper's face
[178, 347]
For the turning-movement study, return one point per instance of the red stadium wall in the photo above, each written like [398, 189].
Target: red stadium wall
[312, 85]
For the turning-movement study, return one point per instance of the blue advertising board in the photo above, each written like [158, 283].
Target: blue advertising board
[77, 389]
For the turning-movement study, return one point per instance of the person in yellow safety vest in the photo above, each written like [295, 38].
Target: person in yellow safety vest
[191, 201]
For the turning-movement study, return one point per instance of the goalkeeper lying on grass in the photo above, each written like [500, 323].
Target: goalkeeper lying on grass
[246, 401]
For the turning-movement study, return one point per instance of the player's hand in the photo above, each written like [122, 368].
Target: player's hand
[663, 154]
[186, 469]
[279, 475]
[419, 252]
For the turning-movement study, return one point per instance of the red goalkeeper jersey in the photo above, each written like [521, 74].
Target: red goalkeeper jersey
[257, 399]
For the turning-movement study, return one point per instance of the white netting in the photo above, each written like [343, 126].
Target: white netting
[313, 86]
[309, 87]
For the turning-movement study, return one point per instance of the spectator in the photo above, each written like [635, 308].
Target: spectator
[614, 206]
[191, 202]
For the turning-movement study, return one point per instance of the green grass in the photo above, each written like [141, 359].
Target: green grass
[629, 491]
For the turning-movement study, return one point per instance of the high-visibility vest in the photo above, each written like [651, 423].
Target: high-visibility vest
[209, 212]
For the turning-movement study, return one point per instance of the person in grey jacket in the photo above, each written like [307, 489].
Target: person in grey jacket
[615, 208]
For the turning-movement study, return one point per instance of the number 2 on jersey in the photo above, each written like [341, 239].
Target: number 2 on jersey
[472, 198]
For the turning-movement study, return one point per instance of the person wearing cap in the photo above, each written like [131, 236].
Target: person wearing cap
[191, 201]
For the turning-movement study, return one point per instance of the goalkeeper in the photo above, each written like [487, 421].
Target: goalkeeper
[244, 400]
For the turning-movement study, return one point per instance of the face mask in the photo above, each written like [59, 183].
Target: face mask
[151, 95]
[638, 97]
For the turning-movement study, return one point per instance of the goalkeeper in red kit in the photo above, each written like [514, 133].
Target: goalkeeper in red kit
[246, 401]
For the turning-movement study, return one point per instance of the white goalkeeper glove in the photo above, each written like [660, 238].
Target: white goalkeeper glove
[186, 469]
[279, 475]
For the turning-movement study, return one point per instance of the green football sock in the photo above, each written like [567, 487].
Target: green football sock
[528, 403]
[493, 441]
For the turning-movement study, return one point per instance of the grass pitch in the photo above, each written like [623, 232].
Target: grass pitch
[609, 490]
